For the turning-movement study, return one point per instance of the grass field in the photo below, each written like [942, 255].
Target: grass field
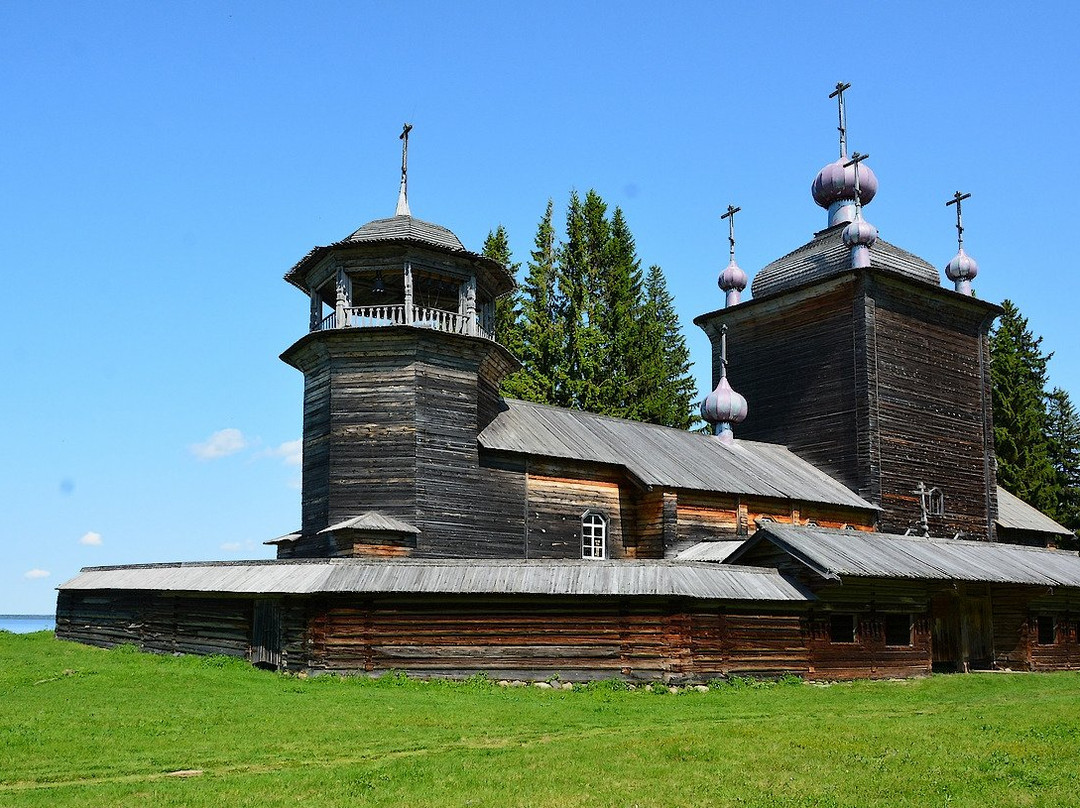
[87, 727]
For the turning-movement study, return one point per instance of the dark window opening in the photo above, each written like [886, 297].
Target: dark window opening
[1045, 626]
[898, 629]
[842, 628]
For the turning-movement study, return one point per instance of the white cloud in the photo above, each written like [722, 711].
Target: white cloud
[231, 546]
[222, 443]
[36, 573]
[291, 452]
[91, 538]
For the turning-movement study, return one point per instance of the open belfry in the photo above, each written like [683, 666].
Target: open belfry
[841, 521]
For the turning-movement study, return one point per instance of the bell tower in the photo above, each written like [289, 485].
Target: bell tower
[401, 371]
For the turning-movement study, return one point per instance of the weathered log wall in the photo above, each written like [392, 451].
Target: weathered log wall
[880, 381]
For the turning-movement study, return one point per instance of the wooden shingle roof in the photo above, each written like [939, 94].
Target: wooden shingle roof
[837, 553]
[826, 255]
[448, 576]
[1015, 514]
[664, 457]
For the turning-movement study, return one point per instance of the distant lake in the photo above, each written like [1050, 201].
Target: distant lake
[25, 623]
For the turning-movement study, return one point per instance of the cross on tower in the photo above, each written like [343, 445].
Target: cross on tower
[857, 158]
[403, 193]
[723, 349]
[730, 216]
[956, 200]
[838, 94]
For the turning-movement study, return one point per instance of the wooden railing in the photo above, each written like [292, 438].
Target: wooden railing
[365, 316]
[422, 317]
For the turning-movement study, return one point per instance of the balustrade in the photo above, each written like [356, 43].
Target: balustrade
[422, 317]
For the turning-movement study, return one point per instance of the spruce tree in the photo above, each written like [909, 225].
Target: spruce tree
[1018, 375]
[619, 322]
[577, 283]
[668, 397]
[540, 324]
[1063, 432]
[508, 308]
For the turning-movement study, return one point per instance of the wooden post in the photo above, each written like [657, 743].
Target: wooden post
[315, 319]
[342, 298]
[408, 294]
[470, 306]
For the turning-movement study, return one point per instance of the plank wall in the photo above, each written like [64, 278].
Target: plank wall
[561, 492]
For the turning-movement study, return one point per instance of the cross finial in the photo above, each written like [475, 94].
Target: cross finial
[857, 158]
[723, 350]
[403, 192]
[838, 94]
[958, 197]
[730, 216]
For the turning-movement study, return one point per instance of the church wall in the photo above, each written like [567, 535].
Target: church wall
[792, 360]
[930, 387]
[561, 493]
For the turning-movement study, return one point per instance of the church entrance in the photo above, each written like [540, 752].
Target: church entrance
[962, 632]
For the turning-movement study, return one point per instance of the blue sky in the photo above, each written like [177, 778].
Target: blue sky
[163, 165]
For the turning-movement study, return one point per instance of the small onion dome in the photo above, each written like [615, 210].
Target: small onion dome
[835, 182]
[962, 268]
[723, 405]
[732, 277]
[860, 233]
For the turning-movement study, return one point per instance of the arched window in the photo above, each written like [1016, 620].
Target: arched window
[593, 535]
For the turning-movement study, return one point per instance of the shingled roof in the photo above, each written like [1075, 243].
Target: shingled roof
[661, 456]
[448, 576]
[1015, 514]
[834, 554]
[826, 255]
[408, 229]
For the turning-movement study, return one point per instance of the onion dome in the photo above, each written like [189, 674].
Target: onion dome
[836, 182]
[960, 270]
[860, 236]
[722, 408]
[732, 281]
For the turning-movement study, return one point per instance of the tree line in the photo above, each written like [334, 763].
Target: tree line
[1036, 429]
[592, 331]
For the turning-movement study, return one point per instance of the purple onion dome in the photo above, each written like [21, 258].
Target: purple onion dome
[835, 182]
[962, 267]
[723, 404]
[860, 233]
[732, 277]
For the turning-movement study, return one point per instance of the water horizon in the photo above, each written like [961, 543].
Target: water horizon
[27, 623]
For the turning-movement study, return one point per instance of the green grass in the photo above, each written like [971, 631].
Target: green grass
[85, 727]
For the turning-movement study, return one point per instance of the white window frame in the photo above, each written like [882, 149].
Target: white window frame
[593, 536]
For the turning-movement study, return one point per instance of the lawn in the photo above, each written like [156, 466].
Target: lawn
[85, 727]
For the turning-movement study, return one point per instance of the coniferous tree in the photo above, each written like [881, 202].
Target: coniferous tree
[668, 398]
[1018, 374]
[541, 329]
[507, 308]
[592, 335]
[1063, 432]
[619, 321]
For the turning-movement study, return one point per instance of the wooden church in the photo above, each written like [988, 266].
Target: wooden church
[853, 528]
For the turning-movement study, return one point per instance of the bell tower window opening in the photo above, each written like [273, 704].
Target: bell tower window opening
[593, 536]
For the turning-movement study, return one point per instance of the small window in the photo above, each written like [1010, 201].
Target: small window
[1045, 626]
[842, 628]
[593, 535]
[898, 629]
[936, 502]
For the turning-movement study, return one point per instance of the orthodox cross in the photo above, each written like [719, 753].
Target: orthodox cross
[838, 94]
[403, 194]
[857, 158]
[956, 200]
[723, 348]
[730, 216]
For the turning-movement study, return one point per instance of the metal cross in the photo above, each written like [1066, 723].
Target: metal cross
[956, 200]
[838, 94]
[723, 349]
[857, 158]
[730, 216]
[404, 138]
